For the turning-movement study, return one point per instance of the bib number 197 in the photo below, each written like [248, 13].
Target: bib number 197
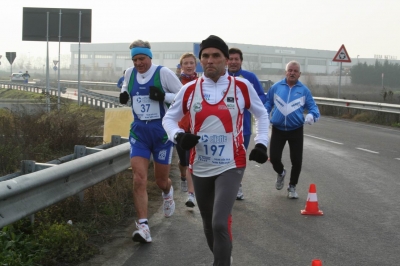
[214, 149]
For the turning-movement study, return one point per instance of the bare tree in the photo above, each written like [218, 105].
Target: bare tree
[251, 66]
[251, 63]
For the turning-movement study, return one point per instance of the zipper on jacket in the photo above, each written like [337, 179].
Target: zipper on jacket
[287, 102]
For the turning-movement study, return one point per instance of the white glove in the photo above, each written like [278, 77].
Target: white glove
[309, 119]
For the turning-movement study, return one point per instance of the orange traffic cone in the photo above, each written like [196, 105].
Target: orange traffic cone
[316, 263]
[312, 203]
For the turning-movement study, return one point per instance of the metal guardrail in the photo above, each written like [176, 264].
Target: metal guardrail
[39, 185]
[29, 87]
[87, 97]
[110, 86]
[369, 106]
[97, 99]
[115, 140]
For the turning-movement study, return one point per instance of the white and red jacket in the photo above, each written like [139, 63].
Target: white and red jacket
[216, 114]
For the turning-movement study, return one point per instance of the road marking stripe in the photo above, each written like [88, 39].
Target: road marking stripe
[324, 139]
[397, 159]
[367, 150]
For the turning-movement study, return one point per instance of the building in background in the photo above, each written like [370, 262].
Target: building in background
[267, 62]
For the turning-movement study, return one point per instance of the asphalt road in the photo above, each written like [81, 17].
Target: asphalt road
[355, 168]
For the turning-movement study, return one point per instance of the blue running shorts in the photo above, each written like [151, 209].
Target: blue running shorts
[149, 137]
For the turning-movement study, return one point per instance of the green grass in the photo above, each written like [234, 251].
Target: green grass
[16, 94]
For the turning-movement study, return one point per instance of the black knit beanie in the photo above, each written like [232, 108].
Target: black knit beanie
[215, 42]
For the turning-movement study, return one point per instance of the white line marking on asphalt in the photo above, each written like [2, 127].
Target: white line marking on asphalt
[324, 139]
[367, 150]
[397, 159]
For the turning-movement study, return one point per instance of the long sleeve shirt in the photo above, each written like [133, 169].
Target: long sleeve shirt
[213, 93]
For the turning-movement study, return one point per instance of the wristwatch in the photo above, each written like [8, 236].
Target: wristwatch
[176, 136]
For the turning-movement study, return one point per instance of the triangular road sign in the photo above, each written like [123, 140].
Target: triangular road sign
[342, 55]
[11, 56]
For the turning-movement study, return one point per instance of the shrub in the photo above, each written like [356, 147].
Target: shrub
[17, 248]
[65, 243]
[42, 136]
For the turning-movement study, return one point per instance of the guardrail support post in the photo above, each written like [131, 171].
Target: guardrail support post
[115, 140]
[28, 166]
[80, 151]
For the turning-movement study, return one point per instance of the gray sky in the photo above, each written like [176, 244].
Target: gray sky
[366, 28]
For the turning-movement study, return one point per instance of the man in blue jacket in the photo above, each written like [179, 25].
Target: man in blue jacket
[286, 102]
[235, 69]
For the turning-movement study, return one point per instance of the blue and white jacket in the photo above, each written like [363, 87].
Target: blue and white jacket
[286, 105]
[250, 76]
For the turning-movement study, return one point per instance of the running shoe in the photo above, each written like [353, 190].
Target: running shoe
[292, 194]
[169, 203]
[184, 186]
[280, 180]
[142, 234]
[239, 195]
[190, 201]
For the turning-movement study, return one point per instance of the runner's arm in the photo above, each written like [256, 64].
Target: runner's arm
[170, 83]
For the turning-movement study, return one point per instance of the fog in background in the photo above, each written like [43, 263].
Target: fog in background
[367, 28]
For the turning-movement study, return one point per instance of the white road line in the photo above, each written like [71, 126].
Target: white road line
[367, 150]
[331, 141]
[397, 159]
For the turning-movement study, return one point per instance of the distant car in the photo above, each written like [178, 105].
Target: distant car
[266, 84]
[16, 77]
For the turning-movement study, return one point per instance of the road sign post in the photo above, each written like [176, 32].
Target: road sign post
[341, 56]
[58, 79]
[55, 68]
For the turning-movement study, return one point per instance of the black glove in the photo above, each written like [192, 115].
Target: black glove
[259, 154]
[156, 94]
[187, 140]
[123, 97]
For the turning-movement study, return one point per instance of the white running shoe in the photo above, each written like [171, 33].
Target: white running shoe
[190, 201]
[169, 203]
[280, 180]
[240, 195]
[292, 194]
[142, 234]
[184, 186]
